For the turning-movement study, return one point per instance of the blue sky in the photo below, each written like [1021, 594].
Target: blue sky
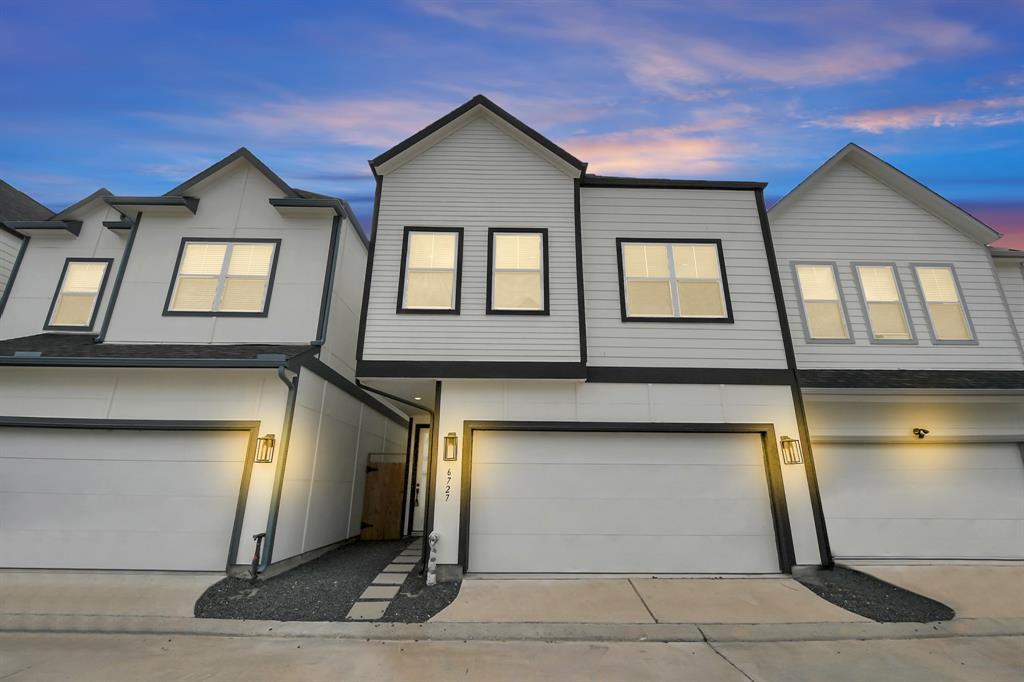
[136, 96]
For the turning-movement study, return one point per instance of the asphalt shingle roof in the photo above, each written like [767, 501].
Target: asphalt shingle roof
[16, 205]
[82, 346]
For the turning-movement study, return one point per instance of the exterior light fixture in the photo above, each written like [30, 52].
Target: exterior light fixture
[265, 449]
[451, 447]
[921, 433]
[417, 397]
[792, 453]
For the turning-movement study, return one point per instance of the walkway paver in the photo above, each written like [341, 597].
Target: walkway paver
[374, 601]
[380, 592]
[390, 579]
[973, 591]
[368, 610]
[398, 568]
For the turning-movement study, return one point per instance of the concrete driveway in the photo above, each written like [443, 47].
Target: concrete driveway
[102, 593]
[640, 600]
[972, 590]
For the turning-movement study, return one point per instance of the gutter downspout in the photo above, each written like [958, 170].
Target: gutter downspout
[430, 453]
[328, 294]
[122, 268]
[282, 458]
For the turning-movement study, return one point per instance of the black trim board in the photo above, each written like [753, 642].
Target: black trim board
[406, 475]
[581, 304]
[589, 180]
[166, 425]
[479, 100]
[952, 379]
[414, 497]
[545, 264]
[167, 312]
[6, 294]
[368, 277]
[728, 319]
[400, 304]
[95, 306]
[189, 203]
[690, 375]
[413, 369]
[72, 227]
[428, 517]
[814, 491]
[332, 265]
[773, 470]
[122, 267]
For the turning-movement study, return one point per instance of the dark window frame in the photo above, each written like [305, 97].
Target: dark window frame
[729, 317]
[460, 239]
[167, 312]
[543, 232]
[47, 326]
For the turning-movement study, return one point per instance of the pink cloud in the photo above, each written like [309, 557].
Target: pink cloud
[1005, 216]
[984, 112]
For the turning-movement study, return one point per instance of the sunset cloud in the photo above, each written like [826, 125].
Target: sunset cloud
[996, 111]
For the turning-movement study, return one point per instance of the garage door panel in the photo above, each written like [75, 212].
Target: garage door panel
[616, 516]
[923, 500]
[619, 502]
[615, 448]
[118, 499]
[622, 554]
[618, 480]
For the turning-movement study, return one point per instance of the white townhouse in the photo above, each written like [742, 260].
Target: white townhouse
[907, 332]
[163, 358]
[607, 361]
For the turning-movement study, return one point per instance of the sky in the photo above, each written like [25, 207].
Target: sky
[138, 96]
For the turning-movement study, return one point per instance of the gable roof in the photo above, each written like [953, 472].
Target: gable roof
[70, 210]
[240, 153]
[16, 205]
[900, 182]
[478, 102]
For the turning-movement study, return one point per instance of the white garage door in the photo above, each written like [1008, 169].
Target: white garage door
[923, 500]
[83, 498]
[619, 503]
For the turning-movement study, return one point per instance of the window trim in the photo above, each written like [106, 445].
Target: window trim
[214, 313]
[543, 232]
[912, 341]
[460, 238]
[973, 341]
[47, 326]
[728, 319]
[794, 267]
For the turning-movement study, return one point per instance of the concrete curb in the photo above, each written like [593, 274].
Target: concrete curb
[579, 632]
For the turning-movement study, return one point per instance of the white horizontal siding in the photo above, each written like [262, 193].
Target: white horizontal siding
[477, 178]
[1011, 276]
[9, 248]
[848, 216]
[754, 340]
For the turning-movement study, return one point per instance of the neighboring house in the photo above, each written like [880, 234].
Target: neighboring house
[15, 206]
[155, 347]
[608, 359]
[905, 324]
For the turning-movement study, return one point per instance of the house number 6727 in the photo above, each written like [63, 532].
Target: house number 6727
[448, 486]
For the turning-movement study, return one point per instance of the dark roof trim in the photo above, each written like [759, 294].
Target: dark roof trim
[101, 192]
[73, 227]
[269, 361]
[456, 369]
[190, 203]
[912, 378]
[482, 101]
[328, 374]
[690, 375]
[340, 206]
[122, 225]
[590, 180]
[240, 153]
[999, 252]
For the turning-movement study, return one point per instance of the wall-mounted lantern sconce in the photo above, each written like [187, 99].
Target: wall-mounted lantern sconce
[451, 447]
[921, 433]
[792, 453]
[265, 449]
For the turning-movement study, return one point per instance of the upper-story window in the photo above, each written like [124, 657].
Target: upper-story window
[431, 265]
[215, 277]
[517, 265]
[823, 309]
[888, 321]
[76, 301]
[947, 315]
[673, 280]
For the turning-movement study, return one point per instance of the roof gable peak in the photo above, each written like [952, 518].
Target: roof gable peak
[240, 153]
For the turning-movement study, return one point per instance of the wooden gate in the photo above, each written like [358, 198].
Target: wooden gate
[382, 499]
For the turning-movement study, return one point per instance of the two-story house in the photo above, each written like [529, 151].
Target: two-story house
[907, 332]
[608, 360]
[163, 359]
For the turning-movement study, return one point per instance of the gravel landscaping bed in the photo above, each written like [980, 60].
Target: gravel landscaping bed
[417, 603]
[323, 589]
[872, 598]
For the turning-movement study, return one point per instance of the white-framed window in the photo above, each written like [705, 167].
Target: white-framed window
[517, 279]
[223, 277]
[430, 273]
[78, 293]
[673, 280]
[822, 303]
[941, 294]
[883, 300]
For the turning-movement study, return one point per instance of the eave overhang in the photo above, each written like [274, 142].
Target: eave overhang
[45, 228]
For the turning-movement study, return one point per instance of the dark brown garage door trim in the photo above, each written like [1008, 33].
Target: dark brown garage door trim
[776, 489]
[165, 425]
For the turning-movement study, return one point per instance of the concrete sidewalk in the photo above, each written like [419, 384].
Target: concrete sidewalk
[34, 656]
[988, 590]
